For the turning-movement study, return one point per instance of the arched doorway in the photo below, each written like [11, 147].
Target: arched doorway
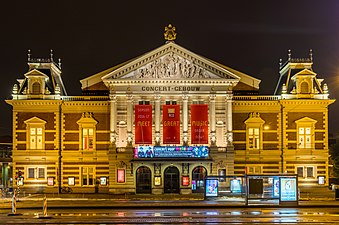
[198, 178]
[143, 180]
[171, 180]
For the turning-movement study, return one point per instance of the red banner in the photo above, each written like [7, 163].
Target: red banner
[171, 124]
[199, 123]
[143, 124]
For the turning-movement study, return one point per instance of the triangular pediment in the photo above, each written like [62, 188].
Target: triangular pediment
[35, 120]
[35, 73]
[304, 72]
[306, 120]
[170, 61]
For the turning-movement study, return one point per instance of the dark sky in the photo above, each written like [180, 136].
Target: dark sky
[247, 35]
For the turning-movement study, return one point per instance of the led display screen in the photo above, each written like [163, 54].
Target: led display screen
[171, 152]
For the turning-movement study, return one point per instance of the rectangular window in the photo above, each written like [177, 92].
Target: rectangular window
[87, 138]
[35, 137]
[300, 171]
[310, 172]
[36, 173]
[31, 173]
[253, 138]
[87, 176]
[254, 170]
[41, 172]
[305, 140]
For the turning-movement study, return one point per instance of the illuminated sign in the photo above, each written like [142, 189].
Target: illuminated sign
[171, 152]
[121, 175]
[235, 186]
[50, 181]
[185, 180]
[321, 180]
[103, 181]
[276, 187]
[288, 189]
[211, 188]
[71, 181]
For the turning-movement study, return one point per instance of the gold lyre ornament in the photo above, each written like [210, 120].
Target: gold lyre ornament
[170, 34]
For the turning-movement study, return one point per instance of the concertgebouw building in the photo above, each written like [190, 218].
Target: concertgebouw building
[161, 122]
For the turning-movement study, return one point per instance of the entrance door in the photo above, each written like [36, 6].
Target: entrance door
[143, 180]
[171, 180]
[198, 178]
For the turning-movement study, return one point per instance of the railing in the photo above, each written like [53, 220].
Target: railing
[85, 98]
[258, 97]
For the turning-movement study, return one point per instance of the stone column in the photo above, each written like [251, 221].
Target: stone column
[212, 119]
[129, 119]
[157, 119]
[113, 118]
[229, 126]
[185, 119]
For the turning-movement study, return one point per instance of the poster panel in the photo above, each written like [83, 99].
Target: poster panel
[143, 124]
[288, 189]
[171, 124]
[211, 188]
[199, 123]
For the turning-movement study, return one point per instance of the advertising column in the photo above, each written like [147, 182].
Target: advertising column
[199, 123]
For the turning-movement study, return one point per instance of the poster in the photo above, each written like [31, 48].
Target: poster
[288, 189]
[212, 188]
[276, 187]
[171, 124]
[143, 124]
[235, 186]
[121, 176]
[199, 123]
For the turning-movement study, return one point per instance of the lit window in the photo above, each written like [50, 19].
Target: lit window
[35, 128]
[87, 138]
[305, 171]
[253, 138]
[87, 176]
[254, 170]
[304, 137]
[36, 173]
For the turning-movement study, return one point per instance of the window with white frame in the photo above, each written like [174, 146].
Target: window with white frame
[305, 133]
[87, 129]
[35, 129]
[36, 173]
[87, 176]
[305, 137]
[254, 129]
[87, 138]
[253, 138]
[305, 171]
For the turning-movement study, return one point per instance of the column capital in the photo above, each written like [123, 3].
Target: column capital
[229, 97]
[157, 97]
[112, 97]
[129, 97]
[213, 97]
[185, 97]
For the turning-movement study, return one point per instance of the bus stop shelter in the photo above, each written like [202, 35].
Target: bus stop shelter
[254, 189]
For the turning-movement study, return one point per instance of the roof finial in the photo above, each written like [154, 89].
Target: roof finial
[311, 55]
[170, 34]
[51, 54]
[59, 63]
[29, 55]
[289, 54]
[280, 63]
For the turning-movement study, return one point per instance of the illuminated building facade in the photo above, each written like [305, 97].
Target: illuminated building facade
[162, 122]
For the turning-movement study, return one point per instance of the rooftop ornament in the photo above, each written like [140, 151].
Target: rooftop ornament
[170, 34]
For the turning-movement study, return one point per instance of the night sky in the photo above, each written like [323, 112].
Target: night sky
[247, 35]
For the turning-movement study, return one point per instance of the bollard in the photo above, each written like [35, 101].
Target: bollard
[14, 203]
[45, 206]
[44, 209]
[14, 206]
